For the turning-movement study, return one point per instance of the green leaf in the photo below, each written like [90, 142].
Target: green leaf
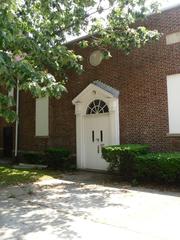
[33, 36]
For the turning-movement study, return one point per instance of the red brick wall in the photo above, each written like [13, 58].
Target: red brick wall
[141, 79]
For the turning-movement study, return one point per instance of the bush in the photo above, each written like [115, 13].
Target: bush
[158, 167]
[122, 157]
[57, 158]
[33, 158]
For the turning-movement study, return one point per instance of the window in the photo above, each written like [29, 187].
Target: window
[173, 88]
[97, 106]
[173, 38]
[42, 117]
[11, 93]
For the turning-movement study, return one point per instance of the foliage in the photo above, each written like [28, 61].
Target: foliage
[122, 157]
[57, 158]
[33, 158]
[158, 167]
[135, 163]
[11, 176]
[33, 33]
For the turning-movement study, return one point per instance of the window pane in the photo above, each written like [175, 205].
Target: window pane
[97, 106]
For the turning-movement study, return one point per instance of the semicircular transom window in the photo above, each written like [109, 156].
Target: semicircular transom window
[97, 106]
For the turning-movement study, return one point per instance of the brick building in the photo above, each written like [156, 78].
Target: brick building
[127, 99]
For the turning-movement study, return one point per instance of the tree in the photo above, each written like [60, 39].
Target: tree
[33, 33]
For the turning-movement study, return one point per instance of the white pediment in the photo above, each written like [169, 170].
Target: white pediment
[94, 90]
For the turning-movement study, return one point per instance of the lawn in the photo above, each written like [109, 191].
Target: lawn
[11, 176]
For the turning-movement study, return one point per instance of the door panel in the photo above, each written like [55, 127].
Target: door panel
[96, 136]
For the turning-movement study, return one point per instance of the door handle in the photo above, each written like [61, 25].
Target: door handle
[97, 148]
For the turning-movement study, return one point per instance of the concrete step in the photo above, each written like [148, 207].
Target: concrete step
[29, 166]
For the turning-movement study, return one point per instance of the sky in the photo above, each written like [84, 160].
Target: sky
[168, 3]
[163, 5]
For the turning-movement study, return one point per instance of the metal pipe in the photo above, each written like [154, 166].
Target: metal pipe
[17, 120]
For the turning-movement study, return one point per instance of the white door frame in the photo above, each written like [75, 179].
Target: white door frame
[81, 102]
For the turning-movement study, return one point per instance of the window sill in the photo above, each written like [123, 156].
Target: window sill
[173, 135]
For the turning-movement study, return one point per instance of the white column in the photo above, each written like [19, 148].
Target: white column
[79, 135]
[114, 121]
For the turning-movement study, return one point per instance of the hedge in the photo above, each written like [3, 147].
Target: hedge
[59, 158]
[134, 162]
[32, 157]
[158, 167]
[122, 157]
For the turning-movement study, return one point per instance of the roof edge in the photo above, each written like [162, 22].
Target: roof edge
[176, 5]
[114, 92]
[165, 9]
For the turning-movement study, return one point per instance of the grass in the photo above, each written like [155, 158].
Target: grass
[11, 176]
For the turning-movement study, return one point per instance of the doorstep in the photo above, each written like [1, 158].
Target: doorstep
[30, 166]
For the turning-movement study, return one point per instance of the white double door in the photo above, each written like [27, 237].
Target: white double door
[97, 135]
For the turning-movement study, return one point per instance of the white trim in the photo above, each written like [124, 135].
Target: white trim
[93, 89]
[42, 117]
[173, 89]
[81, 102]
[173, 38]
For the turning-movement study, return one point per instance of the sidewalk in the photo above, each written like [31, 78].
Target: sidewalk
[73, 208]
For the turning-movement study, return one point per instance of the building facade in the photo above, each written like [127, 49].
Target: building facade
[131, 98]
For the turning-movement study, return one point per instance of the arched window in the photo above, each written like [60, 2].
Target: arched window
[97, 106]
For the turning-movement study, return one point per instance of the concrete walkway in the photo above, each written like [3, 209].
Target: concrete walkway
[77, 208]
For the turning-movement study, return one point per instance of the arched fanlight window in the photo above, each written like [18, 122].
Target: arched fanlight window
[97, 106]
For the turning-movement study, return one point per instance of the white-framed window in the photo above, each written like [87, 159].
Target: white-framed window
[42, 117]
[173, 90]
[97, 106]
[173, 38]
[11, 93]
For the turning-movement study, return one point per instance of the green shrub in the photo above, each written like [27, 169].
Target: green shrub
[70, 163]
[122, 157]
[57, 158]
[158, 167]
[33, 158]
